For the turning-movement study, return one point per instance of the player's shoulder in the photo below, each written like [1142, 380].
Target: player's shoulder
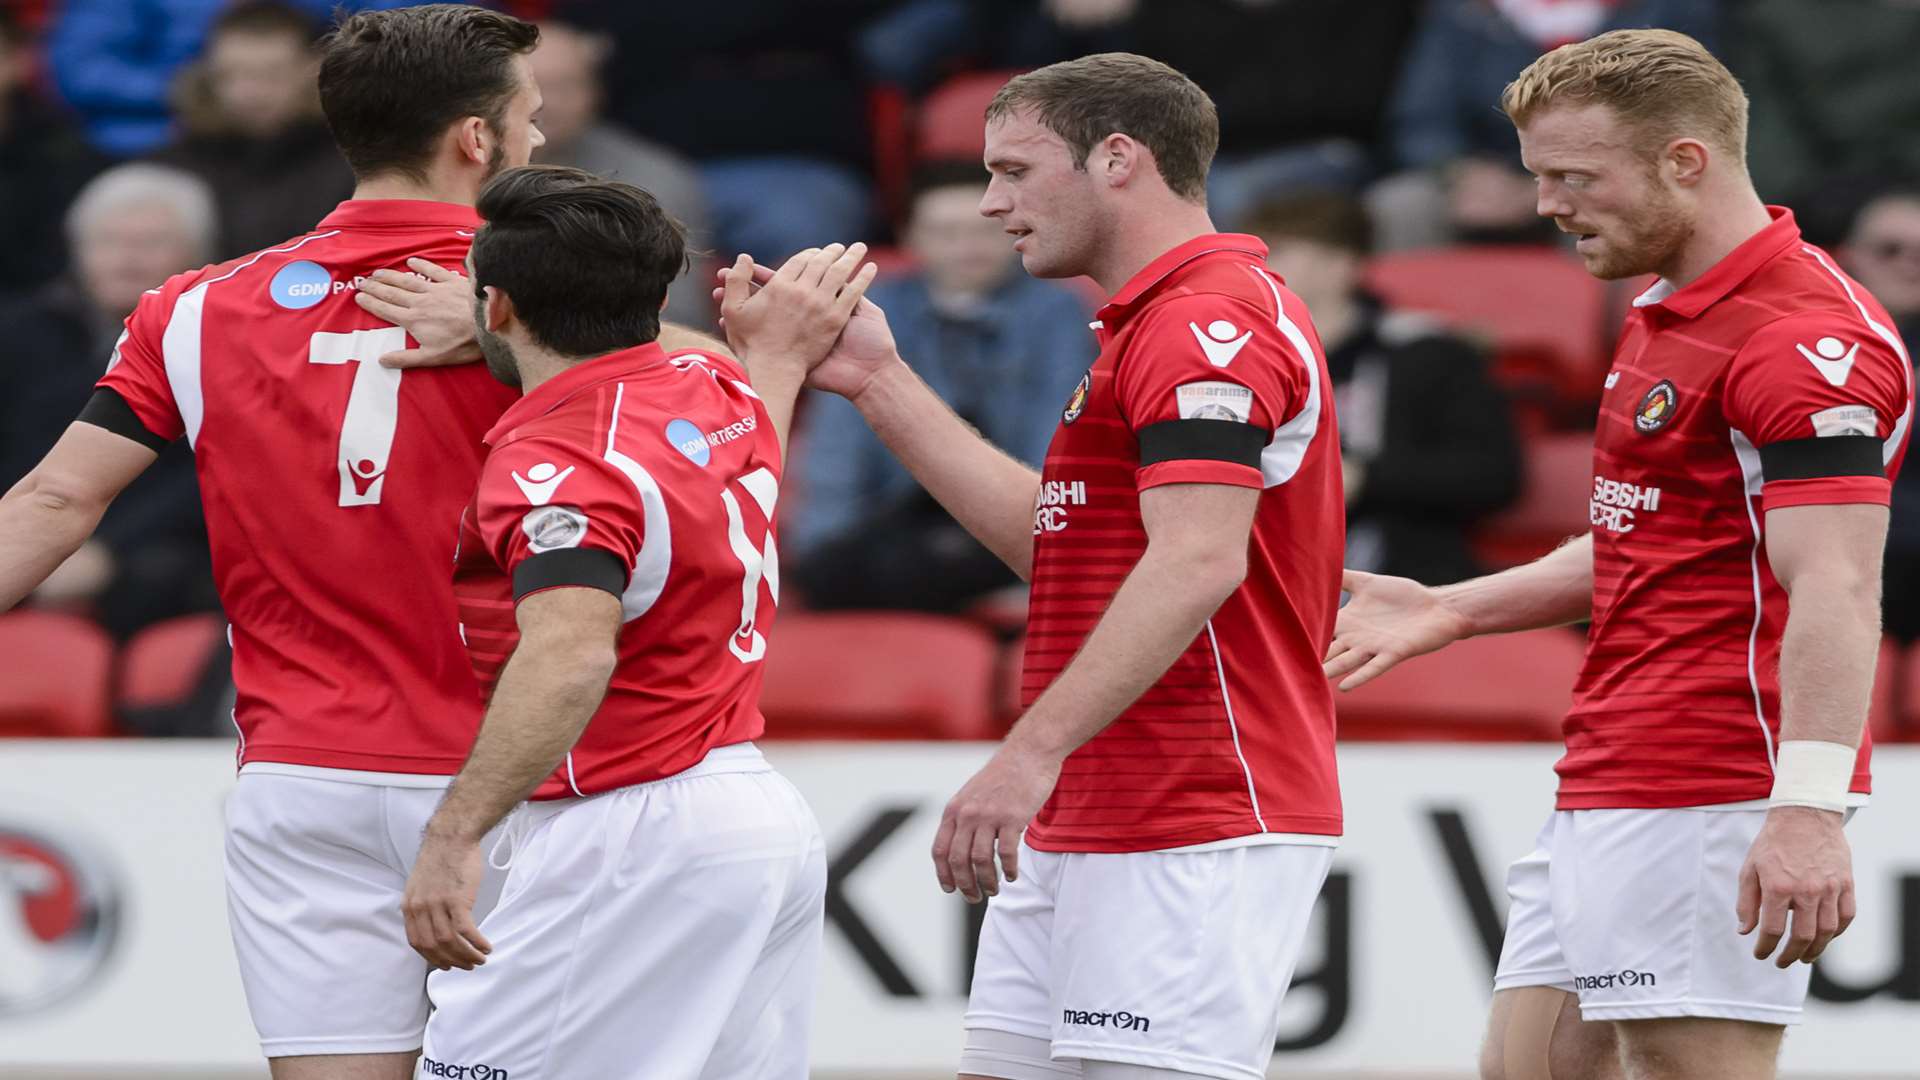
[716, 364]
[1822, 334]
[531, 466]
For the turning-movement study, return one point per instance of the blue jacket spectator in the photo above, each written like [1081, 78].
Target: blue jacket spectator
[114, 60]
[1003, 349]
[1464, 53]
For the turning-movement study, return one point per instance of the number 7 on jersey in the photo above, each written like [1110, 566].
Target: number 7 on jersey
[373, 407]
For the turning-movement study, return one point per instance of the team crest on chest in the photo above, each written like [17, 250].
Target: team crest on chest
[1078, 402]
[1657, 408]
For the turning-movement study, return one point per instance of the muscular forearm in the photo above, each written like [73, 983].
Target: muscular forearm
[1158, 611]
[988, 492]
[1827, 657]
[39, 528]
[543, 702]
[1553, 590]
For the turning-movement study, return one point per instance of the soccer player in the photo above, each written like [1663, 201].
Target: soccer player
[332, 487]
[1758, 406]
[617, 578]
[1174, 770]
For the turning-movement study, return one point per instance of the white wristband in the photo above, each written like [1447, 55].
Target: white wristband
[1815, 774]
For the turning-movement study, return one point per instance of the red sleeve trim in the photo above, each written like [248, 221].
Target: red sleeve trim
[1826, 491]
[1199, 472]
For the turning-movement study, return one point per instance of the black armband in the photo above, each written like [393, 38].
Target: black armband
[589, 567]
[1202, 440]
[107, 409]
[1816, 458]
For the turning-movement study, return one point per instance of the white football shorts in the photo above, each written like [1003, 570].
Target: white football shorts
[668, 929]
[1170, 959]
[1633, 910]
[317, 862]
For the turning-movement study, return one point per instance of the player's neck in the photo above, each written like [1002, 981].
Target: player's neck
[537, 366]
[1715, 235]
[436, 186]
[1145, 238]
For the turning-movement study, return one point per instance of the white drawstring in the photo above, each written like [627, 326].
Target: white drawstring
[512, 832]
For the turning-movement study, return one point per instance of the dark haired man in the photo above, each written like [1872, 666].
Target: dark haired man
[617, 579]
[331, 486]
[1174, 771]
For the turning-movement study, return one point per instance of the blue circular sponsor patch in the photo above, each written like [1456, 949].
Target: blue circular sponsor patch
[686, 437]
[301, 285]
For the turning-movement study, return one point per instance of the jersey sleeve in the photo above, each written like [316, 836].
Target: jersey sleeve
[556, 516]
[1819, 396]
[134, 398]
[1204, 386]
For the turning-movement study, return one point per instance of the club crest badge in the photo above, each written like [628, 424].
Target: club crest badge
[1078, 402]
[1657, 408]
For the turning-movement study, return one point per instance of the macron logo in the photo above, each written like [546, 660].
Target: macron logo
[1831, 358]
[541, 482]
[1219, 342]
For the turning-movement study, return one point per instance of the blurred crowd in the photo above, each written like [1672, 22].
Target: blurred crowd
[1361, 142]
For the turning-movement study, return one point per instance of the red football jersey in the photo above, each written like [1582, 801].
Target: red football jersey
[654, 479]
[1773, 380]
[1209, 373]
[332, 486]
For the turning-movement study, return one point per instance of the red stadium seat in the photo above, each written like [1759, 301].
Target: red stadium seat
[1006, 682]
[1907, 695]
[952, 119]
[53, 676]
[1894, 715]
[163, 664]
[1507, 687]
[1546, 317]
[1553, 502]
[878, 675]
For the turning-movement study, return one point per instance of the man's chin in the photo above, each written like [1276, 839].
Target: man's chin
[1611, 266]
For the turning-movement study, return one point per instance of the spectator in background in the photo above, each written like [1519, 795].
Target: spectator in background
[1003, 349]
[115, 60]
[765, 96]
[1300, 85]
[1882, 251]
[1427, 440]
[1834, 93]
[130, 228]
[43, 161]
[1464, 181]
[250, 127]
[568, 64]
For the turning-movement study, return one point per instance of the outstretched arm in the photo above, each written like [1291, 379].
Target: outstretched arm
[53, 509]
[1390, 619]
[990, 493]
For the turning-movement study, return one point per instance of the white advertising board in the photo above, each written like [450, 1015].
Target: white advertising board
[114, 949]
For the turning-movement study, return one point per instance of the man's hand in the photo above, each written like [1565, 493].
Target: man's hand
[1388, 619]
[438, 904]
[433, 305]
[794, 316]
[864, 347]
[1801, 863]
[990, 812]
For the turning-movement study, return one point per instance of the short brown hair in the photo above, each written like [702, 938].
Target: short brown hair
[1322, 217]
[1083, 101]
[586, 261]
[391, 82]
[1662, 83]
